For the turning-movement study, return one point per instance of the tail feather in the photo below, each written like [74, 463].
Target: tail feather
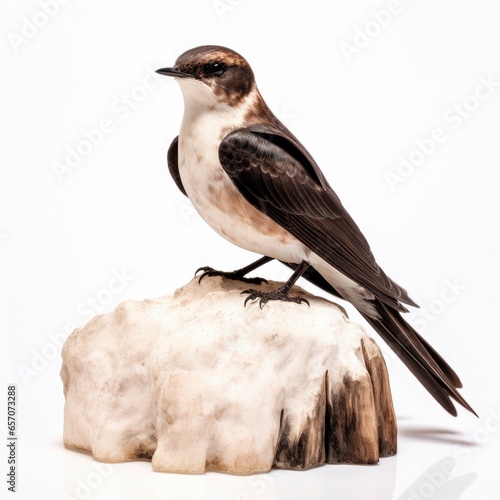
[422, 360]
[426, 364]
[445, 367]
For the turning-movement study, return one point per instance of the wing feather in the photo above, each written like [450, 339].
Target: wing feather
[278, 183]
[277, 177]
[173, 164]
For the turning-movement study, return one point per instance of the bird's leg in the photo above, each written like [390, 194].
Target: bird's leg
[280, 293]
[239, 274]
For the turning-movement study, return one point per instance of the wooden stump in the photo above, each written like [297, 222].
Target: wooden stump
[196, 381]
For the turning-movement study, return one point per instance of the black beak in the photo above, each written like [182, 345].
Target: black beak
[173, 72]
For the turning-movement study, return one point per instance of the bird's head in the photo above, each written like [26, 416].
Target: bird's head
[212, 74]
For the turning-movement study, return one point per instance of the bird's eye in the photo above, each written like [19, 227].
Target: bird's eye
[215, 69]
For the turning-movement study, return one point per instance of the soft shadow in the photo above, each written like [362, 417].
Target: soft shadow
[442, 435]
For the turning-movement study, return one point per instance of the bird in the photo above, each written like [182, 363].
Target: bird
[257, 186]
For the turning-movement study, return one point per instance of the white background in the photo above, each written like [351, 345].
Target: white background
[62, 236]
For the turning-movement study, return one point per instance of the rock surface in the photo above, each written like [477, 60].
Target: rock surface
[195, 382]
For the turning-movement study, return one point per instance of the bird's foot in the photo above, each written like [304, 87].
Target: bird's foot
[234, 275]
[278, 294]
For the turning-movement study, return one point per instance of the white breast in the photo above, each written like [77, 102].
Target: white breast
[206, 121]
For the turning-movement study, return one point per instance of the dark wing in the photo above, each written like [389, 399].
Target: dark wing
[277, 178]
[173, 164]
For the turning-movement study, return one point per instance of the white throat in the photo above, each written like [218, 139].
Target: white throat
[202, 105]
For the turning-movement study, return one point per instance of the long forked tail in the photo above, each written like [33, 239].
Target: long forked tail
[433, 372]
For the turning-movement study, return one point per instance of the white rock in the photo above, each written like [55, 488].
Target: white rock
[196, 381]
